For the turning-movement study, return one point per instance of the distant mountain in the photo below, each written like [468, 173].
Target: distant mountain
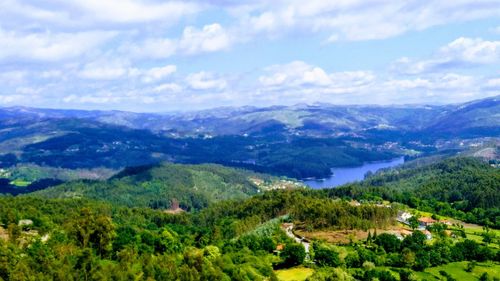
[319, 119]
[163, 186]
[477, 117]
[297, 141]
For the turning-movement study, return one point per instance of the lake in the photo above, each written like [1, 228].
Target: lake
[345, 175]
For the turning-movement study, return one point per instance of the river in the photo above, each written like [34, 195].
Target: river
[345, 175]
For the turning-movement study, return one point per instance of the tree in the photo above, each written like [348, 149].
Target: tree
[488, 236]
[91, 230]
[408, 257]
[389, 242]
[103, 234]
[325, 255]
[407, 275]
[413, 222]
[415, 241]
[14, 232]
[470, 266]
[294, 254]
[484, 277]
[422, 261]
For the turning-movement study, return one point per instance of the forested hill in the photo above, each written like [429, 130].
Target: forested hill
[158, 186]
[466, 188]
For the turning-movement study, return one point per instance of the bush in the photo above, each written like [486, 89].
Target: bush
[326, 256]
[294, 254]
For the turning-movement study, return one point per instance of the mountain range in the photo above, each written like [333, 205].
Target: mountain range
[298, 141]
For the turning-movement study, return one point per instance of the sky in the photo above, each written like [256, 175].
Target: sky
[158, 56]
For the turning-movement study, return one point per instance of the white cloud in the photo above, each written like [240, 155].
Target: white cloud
[132, 11]
[96, 12]
[154, 48]
[49, 46]
[104, 97]
[205, 81]
[210, 38]
[107, 70]
[28, 91]
[158, 73]
[167, 87]
[446, 82]
[460, 52]
[300, 76]
[492, 84]
[13, 76]
[472, 50]
[194, 41]
[301, 82]
[10, 99]
[49, 74]
[358, 20]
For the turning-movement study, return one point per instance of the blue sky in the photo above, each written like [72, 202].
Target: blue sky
[160, 56]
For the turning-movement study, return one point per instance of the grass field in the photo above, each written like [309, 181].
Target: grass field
[457, 271]
[474, 231]
[294, 274]
[344, 236]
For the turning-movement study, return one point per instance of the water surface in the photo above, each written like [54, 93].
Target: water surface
[345, 175]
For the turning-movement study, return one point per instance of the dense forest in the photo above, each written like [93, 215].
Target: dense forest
[193, 187]
[465, 188]
[98, 235]
[79, 239]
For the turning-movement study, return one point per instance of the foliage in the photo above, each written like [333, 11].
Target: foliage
[293, 255]
[465, 188]
[193, 186]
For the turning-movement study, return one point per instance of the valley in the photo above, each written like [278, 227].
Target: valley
[298, 141]
[222, 194]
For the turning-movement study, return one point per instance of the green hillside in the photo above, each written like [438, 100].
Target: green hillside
[192, 186]
[465, 188]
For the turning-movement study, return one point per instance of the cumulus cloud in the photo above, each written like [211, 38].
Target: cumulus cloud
[11, 99]
[49, 46]
[132, 11]
[448, 81]
[205, 81]
[492, 84]
[355, 20]
[131, 52]
[158, 73]
[13, 76]
[119, 69]
[460, 52]
[472, 50]
[301, 82]
[153, 48]
[301, 76]
[107, 70]
[194, 41]
[167, 87]
[104, 97]
[95, 12]
[210, 38]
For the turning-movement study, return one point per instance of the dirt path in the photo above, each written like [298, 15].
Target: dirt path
[298, 239]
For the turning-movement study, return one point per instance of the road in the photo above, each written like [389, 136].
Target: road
[289, 232]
